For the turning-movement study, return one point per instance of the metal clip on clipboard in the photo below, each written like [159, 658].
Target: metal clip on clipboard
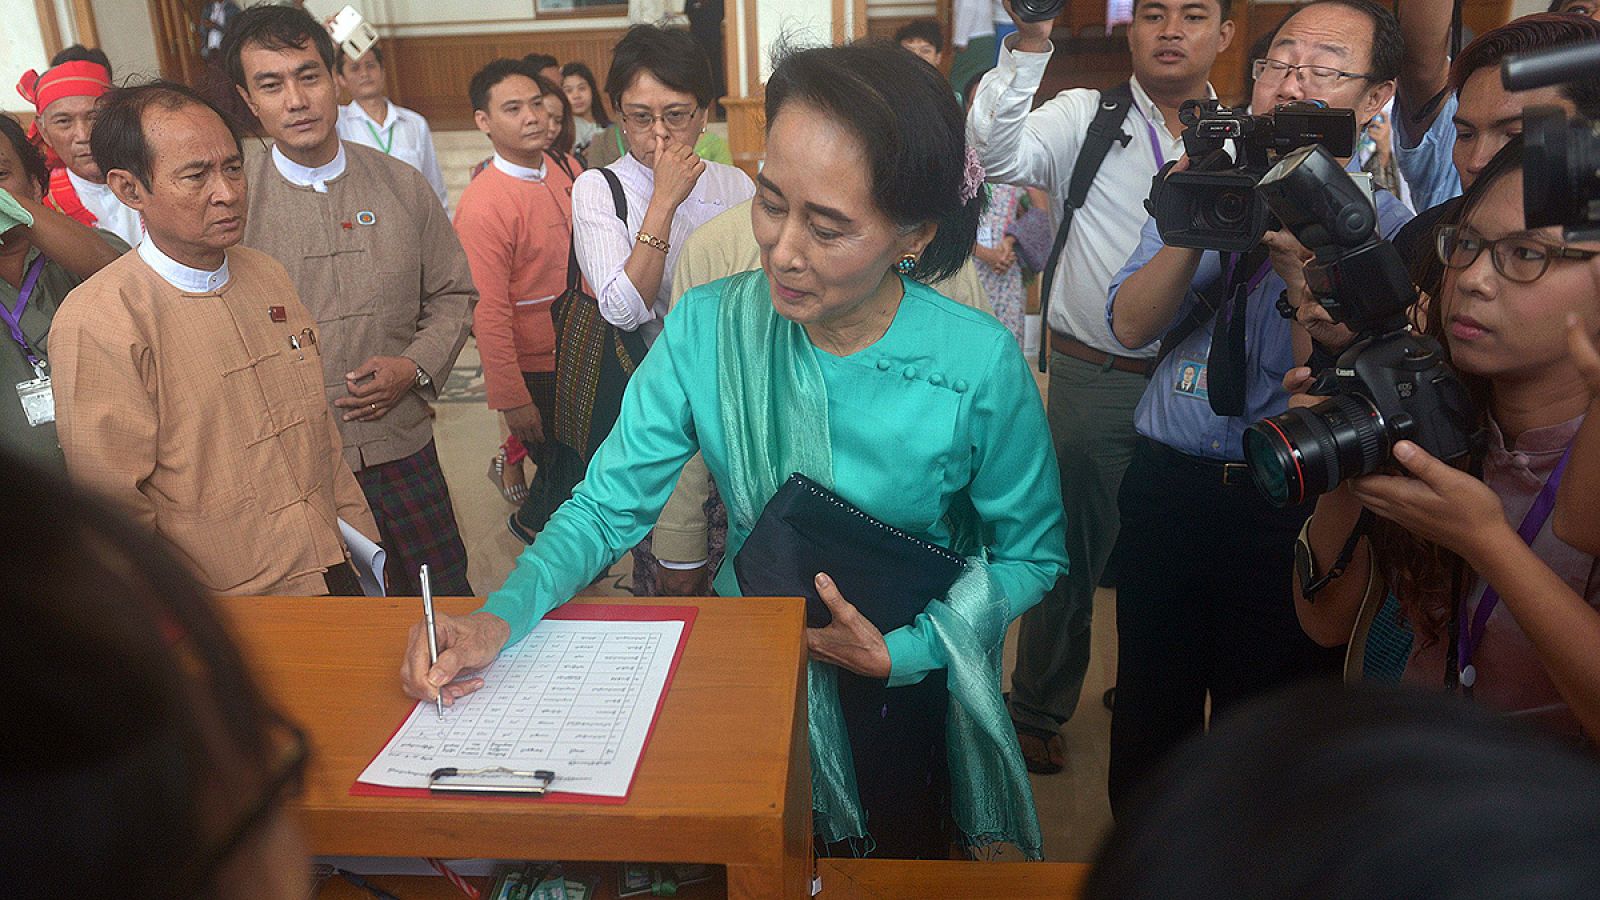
[491, 780]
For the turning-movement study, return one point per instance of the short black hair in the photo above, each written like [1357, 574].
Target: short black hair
[1388, 45]
[273, 27]
[539, 61]
[340, 58]
[597, 106]
[1540, 31]
[669, 54]
[80, 53]
[910, 128]
[118, 140]
[32, 160]
[496, 71]
[1326, 791]
[921, 30]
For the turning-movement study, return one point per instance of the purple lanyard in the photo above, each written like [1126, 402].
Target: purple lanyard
[13, 317]
[1252, 284]
[1155, 143]
[1471, 632]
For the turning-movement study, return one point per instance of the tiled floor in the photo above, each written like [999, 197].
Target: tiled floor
[1073, 811]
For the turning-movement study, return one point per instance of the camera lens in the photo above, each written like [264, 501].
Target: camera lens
[1038, 10]
[1231, 210]
[1307, 451]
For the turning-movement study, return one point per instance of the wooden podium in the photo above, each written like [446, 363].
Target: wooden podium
[724, 779]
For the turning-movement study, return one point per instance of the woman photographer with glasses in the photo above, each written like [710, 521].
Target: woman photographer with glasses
[1498, 603]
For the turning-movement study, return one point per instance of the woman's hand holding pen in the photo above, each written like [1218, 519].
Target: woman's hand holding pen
[466, 645]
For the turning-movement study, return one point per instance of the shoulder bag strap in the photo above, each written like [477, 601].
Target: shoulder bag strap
[1105, 130]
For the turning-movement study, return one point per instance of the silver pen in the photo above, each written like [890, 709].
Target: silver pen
[433, 640]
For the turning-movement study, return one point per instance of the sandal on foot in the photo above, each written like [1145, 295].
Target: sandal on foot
[1044, 751]
[512, 493]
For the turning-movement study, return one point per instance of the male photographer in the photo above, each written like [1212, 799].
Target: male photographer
[1095, 382]
[1451, 118]
[373, 255]
[1204, 604]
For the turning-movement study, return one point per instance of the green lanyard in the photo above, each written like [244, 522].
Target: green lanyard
[382, 145]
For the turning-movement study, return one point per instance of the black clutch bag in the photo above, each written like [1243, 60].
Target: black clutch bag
[805, 529]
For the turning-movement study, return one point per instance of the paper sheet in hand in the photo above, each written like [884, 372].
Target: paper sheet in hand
[367, 557]
[576, 697]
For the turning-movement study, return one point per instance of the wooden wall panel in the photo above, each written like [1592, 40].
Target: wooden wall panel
[430, 74]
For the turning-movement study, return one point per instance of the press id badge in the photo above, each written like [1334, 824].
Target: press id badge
[37, 401]
[1191, 378]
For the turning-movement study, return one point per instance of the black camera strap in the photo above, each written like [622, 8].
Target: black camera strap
[1105, 130]
[1227, 371]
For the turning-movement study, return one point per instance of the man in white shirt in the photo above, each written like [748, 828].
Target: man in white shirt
[64, 98]
[371, 120]
[1095, 382]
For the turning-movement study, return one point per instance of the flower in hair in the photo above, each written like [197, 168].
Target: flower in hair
[971, 177]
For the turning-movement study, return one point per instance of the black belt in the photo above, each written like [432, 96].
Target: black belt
[1230, 474]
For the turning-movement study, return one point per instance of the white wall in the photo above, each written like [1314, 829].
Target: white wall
[128, 37]
[1523, 7]
[21, 49]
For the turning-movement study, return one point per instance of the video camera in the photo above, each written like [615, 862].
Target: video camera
[1213, 205]
[1561, 160]
[1392, 384]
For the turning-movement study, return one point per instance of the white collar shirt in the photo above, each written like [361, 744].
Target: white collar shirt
[604, 242]
[110, 214]
[521, 173]
[1039, 147]
[185, 278]
[403, 134]
[317, 177]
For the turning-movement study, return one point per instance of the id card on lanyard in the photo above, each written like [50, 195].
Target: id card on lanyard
[38, 403]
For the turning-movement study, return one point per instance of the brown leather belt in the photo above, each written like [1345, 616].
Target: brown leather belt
[1071, 346]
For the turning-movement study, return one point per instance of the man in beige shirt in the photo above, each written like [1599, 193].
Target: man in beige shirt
[373, 255]
[687, 542]
[186, 376]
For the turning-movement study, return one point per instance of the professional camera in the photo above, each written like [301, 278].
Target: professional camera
[1392, 384]
[1213, 205]
[1037, 10]
[1561, 161]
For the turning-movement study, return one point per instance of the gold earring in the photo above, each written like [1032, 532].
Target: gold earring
[907, 264]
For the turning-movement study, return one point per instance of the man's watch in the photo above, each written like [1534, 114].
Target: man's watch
[422, 379]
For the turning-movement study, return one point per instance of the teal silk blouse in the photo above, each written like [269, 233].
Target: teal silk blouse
[943, 401]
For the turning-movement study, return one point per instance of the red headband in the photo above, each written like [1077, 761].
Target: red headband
[78, 78]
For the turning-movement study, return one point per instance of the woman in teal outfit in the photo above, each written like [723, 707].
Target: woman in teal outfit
[831, 361]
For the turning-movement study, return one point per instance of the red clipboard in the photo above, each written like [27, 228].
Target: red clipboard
[601, 612]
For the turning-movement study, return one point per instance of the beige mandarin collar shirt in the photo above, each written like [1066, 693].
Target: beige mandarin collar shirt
[193, 400]
[373, 255]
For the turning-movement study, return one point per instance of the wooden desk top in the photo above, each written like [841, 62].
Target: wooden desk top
[714, 774]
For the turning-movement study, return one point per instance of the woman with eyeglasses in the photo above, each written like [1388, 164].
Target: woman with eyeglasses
[660, 87]
[145, 760]
[1497, 602]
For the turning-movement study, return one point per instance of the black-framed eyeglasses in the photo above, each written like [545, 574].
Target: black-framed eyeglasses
[675, 118]
[286, 779]
[1312, 78]
[1517, 258]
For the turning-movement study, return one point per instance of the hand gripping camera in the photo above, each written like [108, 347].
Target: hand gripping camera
[1213, 205]
[1392, 384]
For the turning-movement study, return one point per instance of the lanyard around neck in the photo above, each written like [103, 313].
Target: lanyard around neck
[1471, 631]
[382, 144]
[13, 316]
